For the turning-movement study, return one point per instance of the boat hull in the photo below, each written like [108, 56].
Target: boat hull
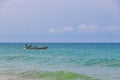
[38, 48]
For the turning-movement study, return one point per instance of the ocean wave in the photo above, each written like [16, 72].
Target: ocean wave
[47, 75]
[103, 62]
[59, 75]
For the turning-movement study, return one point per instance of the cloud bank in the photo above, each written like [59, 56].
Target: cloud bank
[63, 29]
[84, 28]
[88, 28]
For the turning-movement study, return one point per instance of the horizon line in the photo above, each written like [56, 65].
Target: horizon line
[54, 42]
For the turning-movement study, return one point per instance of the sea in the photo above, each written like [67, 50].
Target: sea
[61, 61]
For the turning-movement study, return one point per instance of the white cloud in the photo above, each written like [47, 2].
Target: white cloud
[87, 28]
[52, 30]
[83, 28]
[113, 28]
[96, 28]
[67, 28]
[60, 30]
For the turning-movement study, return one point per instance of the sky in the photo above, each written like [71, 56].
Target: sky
[59, 21]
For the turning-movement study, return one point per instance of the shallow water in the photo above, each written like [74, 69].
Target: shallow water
[61, 61]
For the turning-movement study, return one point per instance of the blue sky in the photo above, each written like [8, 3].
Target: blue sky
[59, 21]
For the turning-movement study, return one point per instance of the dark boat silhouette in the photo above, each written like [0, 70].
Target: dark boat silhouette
[35, 47]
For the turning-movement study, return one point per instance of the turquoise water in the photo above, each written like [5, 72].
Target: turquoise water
[61, 61]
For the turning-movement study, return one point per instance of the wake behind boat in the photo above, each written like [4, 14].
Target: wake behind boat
[34, 47]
